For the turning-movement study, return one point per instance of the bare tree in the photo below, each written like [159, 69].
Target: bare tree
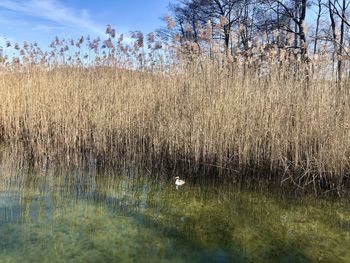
[318, 4]
[338, 19]
[238, 23]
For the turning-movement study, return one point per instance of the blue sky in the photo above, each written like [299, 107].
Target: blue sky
[42, 20]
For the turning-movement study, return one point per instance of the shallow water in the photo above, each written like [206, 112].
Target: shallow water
[80, 217]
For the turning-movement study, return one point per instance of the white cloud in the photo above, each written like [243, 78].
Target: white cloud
[47, 28]
[55, 11]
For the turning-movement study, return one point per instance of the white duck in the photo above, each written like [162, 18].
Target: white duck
[178, 181]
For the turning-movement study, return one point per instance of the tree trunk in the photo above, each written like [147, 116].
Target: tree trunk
[302, 34]
[319, 5]
[296, 24]
[334, 34]
[341, 43]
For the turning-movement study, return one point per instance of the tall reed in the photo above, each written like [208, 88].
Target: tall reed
[258, 117]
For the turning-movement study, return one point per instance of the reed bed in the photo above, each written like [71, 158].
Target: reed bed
[204, 114]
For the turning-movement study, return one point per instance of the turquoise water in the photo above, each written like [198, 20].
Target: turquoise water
[79, 217]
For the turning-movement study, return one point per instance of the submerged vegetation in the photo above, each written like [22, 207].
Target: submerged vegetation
[264, 112]
[131, 217]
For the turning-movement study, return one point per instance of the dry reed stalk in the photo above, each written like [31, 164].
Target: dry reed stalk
[237, 116]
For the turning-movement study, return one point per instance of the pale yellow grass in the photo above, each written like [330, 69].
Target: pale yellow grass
[217, 117]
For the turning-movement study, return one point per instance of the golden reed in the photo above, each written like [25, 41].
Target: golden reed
[263, 117]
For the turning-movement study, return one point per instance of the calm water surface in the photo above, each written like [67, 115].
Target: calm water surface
[80, 217]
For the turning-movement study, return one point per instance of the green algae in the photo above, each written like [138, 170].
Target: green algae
[128, 219]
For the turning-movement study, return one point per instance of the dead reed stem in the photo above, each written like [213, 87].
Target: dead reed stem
[220, 116]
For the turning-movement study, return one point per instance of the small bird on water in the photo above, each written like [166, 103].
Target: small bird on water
[178, 181]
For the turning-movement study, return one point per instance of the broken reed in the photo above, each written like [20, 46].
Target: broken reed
[233, 113]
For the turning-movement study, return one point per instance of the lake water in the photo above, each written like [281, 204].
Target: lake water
[109, 217]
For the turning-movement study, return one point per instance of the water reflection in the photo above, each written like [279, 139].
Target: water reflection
[82, 217]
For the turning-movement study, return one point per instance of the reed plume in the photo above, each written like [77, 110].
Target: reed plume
[242, 114]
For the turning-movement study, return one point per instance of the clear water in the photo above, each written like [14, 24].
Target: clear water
[108, 218]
